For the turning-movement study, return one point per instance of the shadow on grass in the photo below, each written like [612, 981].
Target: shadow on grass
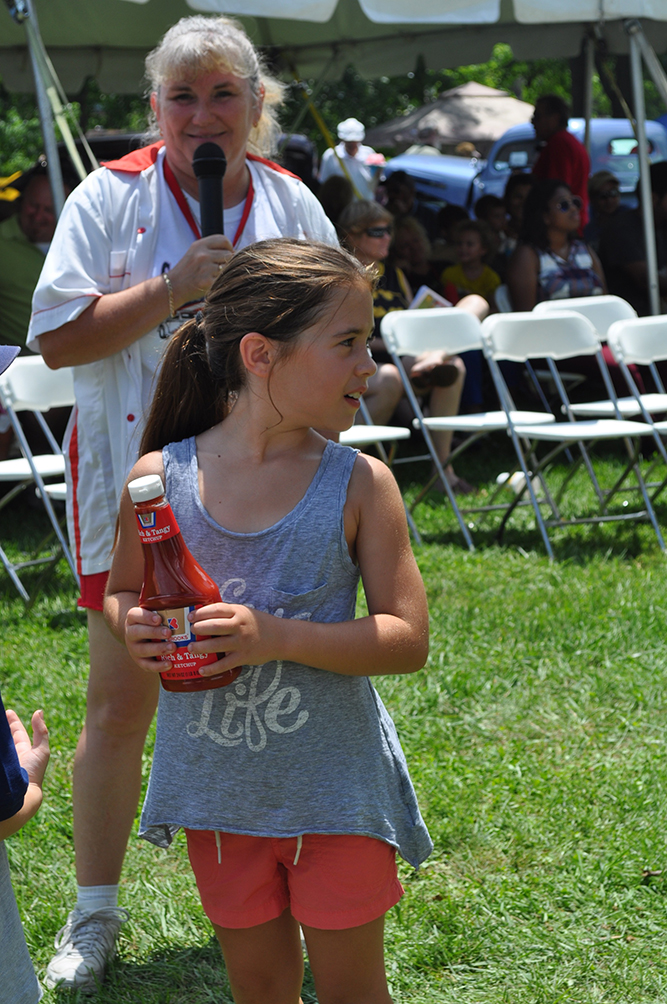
[624, 539]
[173, 975]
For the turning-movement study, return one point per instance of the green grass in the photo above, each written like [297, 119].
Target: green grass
[536, 739]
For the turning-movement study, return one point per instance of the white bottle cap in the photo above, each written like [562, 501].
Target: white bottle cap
[146, 488]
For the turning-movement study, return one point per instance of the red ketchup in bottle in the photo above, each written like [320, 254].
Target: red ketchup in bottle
[174, 584]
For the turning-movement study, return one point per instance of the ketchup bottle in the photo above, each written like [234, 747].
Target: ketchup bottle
[174, 584]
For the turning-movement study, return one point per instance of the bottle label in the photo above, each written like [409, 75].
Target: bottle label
[156, 525]
[185, 664]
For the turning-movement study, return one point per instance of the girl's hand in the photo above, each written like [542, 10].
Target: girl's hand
[249, 637]
[33, 756]
[147, 639]
[193, 276]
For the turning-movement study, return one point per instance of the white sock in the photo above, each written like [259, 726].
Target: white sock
[95, 897]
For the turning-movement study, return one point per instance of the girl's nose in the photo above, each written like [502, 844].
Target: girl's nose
[367, 364]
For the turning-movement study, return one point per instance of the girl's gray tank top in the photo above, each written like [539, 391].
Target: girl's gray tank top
[286, 749]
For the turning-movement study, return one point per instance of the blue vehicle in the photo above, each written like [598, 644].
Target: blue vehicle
[438, 179]
[613, 148]
[445, 179]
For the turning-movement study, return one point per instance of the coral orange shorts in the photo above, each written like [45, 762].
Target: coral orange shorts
[328, 882]
[92, 590]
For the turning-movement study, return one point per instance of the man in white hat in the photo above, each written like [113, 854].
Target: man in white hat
[350, 157]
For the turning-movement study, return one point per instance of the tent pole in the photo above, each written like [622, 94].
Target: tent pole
[644, 170]
[588, 89]
[24, 13]
[653, 64]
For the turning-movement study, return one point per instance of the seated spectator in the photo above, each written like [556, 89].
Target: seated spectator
[623, 251]
[335, 194]
[491, 210]
[474, 243]
[516, 192]
[367, 232]
[411, 253]
[24, 240]
[551, 262]
[447, 219]
[605, 205]
[402, 201]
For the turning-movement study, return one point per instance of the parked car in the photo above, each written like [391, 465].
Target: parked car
[438, 179]
[613, 148]
[442, 179]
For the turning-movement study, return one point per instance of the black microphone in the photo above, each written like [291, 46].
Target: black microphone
[209, 165]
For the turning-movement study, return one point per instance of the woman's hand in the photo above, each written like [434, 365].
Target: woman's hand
[193, 276]
[148, 639]
[249, 637]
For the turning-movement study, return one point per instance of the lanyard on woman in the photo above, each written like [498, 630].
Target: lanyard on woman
[177, 192]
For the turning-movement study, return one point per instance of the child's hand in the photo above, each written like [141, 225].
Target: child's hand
[33, 756]
[249, 637]
[147, 639]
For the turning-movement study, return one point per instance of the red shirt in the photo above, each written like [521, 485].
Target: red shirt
[566, 159]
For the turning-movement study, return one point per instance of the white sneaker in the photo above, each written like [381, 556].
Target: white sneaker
[83, 947]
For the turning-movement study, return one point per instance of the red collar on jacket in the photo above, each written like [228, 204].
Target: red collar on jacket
[138, 160]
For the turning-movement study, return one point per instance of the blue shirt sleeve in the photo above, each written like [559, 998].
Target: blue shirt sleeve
[13, 779]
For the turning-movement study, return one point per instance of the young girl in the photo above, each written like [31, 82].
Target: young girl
[474, 242]
[290, 783]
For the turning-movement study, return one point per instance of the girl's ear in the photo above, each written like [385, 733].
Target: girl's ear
[258, 354]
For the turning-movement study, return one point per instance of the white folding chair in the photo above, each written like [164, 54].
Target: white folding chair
[29, 385]
[502, 298]
[370, 434]
[448, 330]
[602, 312]
[643, 341]
[556, 336]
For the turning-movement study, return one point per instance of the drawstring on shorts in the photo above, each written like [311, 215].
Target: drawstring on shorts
[218, 845]
[299, 845]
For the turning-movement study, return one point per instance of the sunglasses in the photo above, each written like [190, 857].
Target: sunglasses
[566, 204]
[378, 232]
[613, 193]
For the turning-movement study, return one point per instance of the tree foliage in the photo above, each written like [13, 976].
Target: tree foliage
[373, 101]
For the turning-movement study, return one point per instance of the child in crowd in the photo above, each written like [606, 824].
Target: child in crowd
[448, 219]
[491, 210]
[22, 767]
[290, 782]
[474, 243]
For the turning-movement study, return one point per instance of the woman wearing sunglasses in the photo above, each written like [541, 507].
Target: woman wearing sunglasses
[551, 261]
[366, 229]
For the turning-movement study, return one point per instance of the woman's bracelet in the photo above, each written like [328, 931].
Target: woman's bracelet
[170, 291]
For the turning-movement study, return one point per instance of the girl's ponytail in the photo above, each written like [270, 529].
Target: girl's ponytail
[187, 400]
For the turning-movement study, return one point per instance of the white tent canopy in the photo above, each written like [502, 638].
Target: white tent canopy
[108, 39]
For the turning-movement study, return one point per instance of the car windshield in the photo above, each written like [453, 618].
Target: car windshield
[517, 155]
[626, 146]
